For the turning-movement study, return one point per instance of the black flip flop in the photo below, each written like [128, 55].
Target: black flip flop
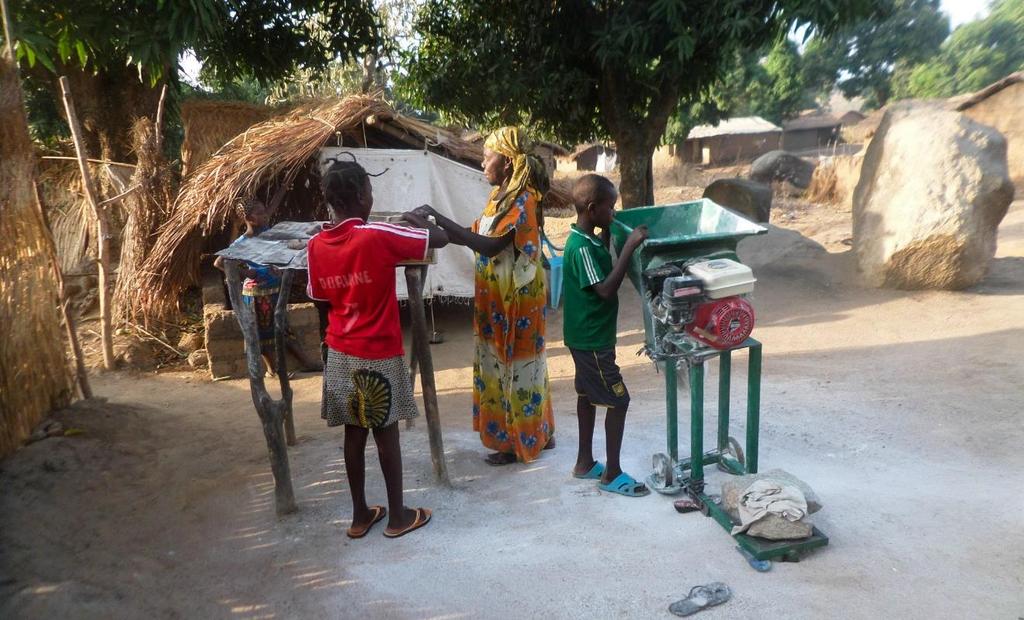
[498, 459]
[701, 597]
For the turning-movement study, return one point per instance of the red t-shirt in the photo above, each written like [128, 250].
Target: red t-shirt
[352, 266]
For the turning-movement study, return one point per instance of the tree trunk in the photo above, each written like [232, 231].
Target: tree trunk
[107, 103]
[635, 166]
[635, 136]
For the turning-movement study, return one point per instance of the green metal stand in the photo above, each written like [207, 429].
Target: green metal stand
[734, 463]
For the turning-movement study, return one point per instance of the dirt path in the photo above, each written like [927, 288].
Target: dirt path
[901, 409]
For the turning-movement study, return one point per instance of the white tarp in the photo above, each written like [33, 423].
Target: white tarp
[415, 178]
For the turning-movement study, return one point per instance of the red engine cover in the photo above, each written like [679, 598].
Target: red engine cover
[722, 323]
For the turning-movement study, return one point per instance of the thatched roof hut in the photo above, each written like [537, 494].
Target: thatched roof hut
[278, 158]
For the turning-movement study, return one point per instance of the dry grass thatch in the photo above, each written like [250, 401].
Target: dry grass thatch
[146, 206]
[266, 157]
[34, 374]
[210, 124]
[71, 218]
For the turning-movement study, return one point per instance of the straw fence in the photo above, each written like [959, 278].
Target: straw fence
[34, 375]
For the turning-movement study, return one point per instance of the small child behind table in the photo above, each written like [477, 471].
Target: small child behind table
[590, 293]
[261, 288]
[366, 381]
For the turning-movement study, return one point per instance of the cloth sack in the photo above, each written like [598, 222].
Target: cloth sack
[765, 497]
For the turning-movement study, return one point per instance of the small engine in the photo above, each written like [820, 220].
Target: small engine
[700, 304]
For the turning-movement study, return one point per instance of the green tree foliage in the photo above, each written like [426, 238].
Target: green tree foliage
[116, 52]
[975, 55]
[861, 58]
[769, 85]
[581, 70]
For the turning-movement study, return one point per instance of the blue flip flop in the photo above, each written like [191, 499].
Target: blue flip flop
[624, 484]
[595, 472]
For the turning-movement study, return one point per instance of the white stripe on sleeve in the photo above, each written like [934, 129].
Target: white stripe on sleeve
[592, 272]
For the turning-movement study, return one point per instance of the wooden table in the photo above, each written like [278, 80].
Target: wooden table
[276, 415]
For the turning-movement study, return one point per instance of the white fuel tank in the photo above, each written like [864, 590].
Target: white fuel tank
[723, 277]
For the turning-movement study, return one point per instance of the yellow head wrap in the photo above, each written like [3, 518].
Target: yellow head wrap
[527, 169]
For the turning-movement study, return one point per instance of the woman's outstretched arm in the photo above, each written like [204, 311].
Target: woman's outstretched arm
[460, 235]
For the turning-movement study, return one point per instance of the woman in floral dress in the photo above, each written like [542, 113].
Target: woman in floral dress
[511, 399]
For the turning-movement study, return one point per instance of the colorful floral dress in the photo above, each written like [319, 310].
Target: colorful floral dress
[511, 399]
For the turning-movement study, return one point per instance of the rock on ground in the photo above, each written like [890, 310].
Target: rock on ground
[774, 527]
[932, 191]
[190, 342]
[198, 359]
[771, 527]
[750, 199]
[782, 166]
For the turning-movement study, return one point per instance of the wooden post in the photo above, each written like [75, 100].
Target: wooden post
[415, 275]
[69, 323]
[281, 353]
[271, 412]
[102, 227]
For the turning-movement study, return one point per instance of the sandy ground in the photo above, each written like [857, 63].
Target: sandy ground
[901, 409]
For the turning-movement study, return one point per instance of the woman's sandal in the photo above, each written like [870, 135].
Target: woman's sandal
[624, 484]
[500, 458]
[701, 597]
[422, 518]
[379, 512]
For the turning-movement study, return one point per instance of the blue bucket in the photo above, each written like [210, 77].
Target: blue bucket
[554, 269]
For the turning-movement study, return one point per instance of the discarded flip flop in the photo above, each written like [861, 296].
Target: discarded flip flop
[761, 566]
[701, 597]
[594, 473]
[379, 512]
[624, 484]
[422, 518]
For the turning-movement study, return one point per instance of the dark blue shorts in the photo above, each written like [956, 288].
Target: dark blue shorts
[598, 378]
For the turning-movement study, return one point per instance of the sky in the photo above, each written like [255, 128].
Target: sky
[959, 11]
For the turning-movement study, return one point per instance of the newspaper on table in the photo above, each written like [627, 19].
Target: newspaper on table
[284, 245]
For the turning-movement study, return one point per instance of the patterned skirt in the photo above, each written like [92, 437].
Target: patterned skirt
[262, 301]
[366, 393]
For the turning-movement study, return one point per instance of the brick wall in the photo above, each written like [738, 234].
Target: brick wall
[225, 347]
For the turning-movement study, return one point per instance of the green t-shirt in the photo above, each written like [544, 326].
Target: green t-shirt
[588, 322]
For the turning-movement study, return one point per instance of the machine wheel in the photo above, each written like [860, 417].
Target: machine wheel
[663, 478]
[663, 470]
[734, 450]
[737, 451]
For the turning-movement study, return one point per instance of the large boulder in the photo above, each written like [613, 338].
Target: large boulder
[782, 166]
[932, 191]
[751, 199]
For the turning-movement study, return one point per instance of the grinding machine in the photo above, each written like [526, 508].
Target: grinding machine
[694, 292]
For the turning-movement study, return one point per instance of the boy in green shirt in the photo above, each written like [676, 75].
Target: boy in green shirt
[591, 287]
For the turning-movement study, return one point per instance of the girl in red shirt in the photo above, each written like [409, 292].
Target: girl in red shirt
[366, 380]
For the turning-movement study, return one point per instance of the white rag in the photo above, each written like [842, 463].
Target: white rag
[765, 497]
